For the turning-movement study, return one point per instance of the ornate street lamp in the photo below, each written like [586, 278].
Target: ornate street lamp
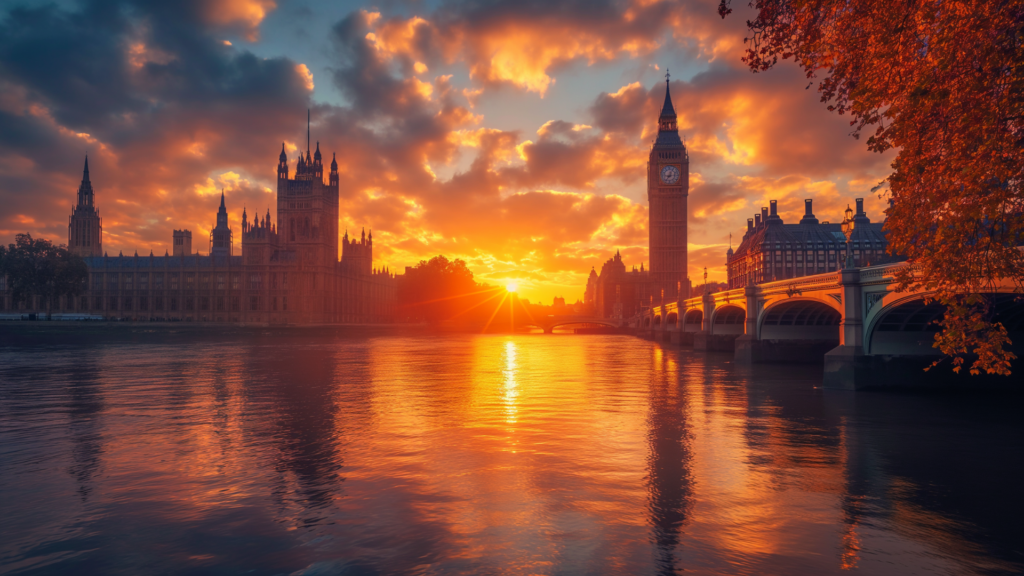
[848, 232]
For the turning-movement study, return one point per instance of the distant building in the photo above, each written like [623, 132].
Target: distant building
[618, 293]
[772, 250]
[284, 275]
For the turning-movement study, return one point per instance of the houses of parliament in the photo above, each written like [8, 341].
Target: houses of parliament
[287, 272]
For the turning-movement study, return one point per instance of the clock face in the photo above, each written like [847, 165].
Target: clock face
[669, 174]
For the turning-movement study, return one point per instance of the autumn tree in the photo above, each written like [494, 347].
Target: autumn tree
[942, 83]
[40, 268]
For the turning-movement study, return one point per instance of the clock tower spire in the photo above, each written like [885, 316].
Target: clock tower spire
[668, 185]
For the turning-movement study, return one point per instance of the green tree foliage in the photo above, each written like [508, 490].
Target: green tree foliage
[40, 268]
[943, 84]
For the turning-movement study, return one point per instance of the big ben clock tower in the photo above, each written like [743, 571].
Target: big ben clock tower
[668, 184]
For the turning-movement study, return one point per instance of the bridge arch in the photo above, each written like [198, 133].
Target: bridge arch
[647, 321]
[672, 320]
[692, 320]
[906, 324]
[657, 320]
[728, 319]
[800, 319]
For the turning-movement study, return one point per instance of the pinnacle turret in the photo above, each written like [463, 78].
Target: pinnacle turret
[668, 133]
[85, 194]
[667, 110]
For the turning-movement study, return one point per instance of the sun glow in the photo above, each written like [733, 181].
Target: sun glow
[512, 287]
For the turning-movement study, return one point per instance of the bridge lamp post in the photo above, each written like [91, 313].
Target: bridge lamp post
[848, 232]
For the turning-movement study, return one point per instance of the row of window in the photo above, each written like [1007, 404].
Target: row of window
[824, 245]
[169, 304]
[174, 280]
[812, 256]
[141, 303]
[173, 304]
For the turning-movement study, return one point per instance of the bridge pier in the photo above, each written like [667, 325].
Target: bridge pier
[748, 349]
[714, 342]
[754, 351]
[846, 366]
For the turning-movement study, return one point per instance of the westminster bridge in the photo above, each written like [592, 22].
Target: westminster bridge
[867, 334]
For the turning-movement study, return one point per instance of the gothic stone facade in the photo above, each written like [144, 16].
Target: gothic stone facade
[616, 292]
[286, 274]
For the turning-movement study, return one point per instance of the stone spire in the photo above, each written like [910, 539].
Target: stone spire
[668, 133]
[85, 194]
[220, 236]
[667, 110]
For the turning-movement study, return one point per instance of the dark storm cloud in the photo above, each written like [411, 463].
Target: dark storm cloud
[74, 61]
[153, 94]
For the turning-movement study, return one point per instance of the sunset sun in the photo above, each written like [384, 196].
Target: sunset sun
[511, 287]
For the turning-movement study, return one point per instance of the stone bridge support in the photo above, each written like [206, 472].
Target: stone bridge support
[747, 347]
[676, 336]
[846, 365]
[702, 340]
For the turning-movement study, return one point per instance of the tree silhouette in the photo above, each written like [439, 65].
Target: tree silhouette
[39, 268]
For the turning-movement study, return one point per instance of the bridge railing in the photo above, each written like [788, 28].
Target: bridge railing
[817, 281]
[727, 296]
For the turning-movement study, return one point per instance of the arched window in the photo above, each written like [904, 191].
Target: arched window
[291, 229]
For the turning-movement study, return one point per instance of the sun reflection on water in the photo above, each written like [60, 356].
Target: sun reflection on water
[510, 390]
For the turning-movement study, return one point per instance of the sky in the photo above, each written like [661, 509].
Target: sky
[511, 134]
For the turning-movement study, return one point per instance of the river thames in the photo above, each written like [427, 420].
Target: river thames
[324, 452]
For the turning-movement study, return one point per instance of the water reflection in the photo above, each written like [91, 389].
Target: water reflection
[304, 426]
[670, 480]
[85, 402]
[337, 453]
[510, 391]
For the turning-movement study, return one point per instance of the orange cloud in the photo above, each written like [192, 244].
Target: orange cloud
[421, 162]
[247, 14]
